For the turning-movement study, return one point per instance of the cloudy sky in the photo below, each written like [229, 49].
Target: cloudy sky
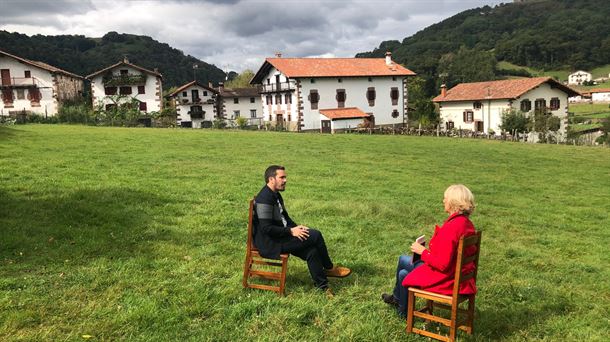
[239, 34]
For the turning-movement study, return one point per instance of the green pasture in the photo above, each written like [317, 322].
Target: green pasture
[139, 234]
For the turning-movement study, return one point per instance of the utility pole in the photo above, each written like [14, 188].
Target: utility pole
[195, 67]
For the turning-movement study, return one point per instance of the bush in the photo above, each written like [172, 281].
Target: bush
[219, 123]
[241, 122]
[77, 113]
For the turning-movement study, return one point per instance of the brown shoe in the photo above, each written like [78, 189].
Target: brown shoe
[338, 272]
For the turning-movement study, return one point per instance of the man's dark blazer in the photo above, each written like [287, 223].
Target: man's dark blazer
[269, 230]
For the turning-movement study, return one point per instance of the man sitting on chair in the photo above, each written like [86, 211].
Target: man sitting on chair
[275, 232]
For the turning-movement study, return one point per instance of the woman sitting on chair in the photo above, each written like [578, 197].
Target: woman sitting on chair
[434, 268]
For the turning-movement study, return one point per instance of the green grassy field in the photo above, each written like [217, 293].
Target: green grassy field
[562, 75]
[139, 234]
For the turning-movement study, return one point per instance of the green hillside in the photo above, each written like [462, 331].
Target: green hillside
[545, 35]
[83, 56]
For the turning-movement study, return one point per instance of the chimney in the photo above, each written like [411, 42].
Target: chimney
[278, 54]
[388, 58]
[125, 60]
[210, 84]
[443, 90]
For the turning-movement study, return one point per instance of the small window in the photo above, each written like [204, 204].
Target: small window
[143, 106]
[395, 113]
[124, 72]
[340, 98]
[555, 103]
[236, 100]
[394, 94]
[205, 93]
[235, 114]
[28, 74]
[526, 105]
[252, 100]
[268, 81]
[450, 125]
[370, 96]
[314, 98]
[269, 99]
[394, 78]
[288, 98]
[125, 90]
[278, 99]
[110, 90]
[370, 79]
[184, 94]
[340, 80]
[540, 105]
[468, 116]
[313, 80]
[20, 94]
[141, 90]
[253, 113]
[477, 105]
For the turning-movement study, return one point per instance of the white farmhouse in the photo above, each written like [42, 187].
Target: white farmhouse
[600, 95]
[35, 87]
[241, 102]
[579, 77]
[124, 82]
[196, 104]
[329, 94]
[479, 106]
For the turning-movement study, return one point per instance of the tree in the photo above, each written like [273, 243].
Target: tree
[242, 80]
[424, 110]
[605, 137]
[514, 121]
[467, 65]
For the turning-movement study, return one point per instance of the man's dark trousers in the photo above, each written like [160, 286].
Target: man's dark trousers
[313, 250]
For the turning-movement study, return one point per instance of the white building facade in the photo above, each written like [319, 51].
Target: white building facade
[34, 87]
[296, 92]
[579, 77]
[600, 95]
[479, 106]
[241, 102]
[126, 82]
[196, 105]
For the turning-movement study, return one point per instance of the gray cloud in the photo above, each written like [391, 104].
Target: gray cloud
[234, 34]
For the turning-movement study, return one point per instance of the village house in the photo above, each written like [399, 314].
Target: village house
[196, 105]
[241, 102]
[35, 87]
[579, 77]
[600, 95]
[125, 82]
[330, 94]
[479, 106]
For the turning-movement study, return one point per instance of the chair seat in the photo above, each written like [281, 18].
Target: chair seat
[442, 297]
[255, 253]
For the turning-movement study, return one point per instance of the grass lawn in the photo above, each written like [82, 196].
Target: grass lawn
[139, 234]
[590, 110]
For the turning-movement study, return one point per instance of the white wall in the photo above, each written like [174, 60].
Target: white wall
[244, 107]
[344, 123]
[600, 97]
[42, 78]
[184, 102]
[579, 77]
[152, 89]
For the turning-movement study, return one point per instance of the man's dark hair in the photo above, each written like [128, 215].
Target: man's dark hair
[272, 171]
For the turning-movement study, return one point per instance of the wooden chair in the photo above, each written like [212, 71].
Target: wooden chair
[254, 258]
[452, 303]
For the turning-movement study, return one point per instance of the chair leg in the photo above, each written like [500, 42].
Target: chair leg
[470, 327]
[283, 276]
[454, 324]
[247, 266]
[410, 307]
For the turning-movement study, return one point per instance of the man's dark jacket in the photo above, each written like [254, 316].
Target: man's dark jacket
[269, 231]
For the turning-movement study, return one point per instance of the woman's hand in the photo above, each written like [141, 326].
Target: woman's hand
[417, 248]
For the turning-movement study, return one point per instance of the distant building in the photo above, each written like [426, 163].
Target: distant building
[600, 95]
[124, 82]
[35, 87]
[330, 94]
[196, 104]
[479, 106]
[579, 77]
[241, 102]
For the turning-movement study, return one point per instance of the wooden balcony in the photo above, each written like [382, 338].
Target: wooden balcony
[19, 82]
[277, 87]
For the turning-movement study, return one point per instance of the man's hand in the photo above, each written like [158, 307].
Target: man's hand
[301, 232]
[417, 248]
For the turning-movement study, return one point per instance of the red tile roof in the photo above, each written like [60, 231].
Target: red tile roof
[600, 90]
[331, 67]
[41, 65]
[192, 83]
[494, 90]
[343, 113]
[155, 73]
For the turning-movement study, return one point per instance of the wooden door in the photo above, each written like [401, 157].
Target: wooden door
[6, 76]
[325, 126]
[479, 126]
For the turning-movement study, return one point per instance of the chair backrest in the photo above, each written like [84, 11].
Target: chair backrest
[250, 223]
[463, 259]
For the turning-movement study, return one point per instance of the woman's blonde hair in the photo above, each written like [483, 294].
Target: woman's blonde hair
[459, 199]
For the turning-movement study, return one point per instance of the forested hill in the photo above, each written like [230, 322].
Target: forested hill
[83, 56]
[544, 34]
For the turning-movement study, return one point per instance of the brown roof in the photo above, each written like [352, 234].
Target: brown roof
[239, 92]
[343, 113]
[41, 65]
[600, 90]
[494, 90]
[192, 83]
[124, 62]
[331, 67]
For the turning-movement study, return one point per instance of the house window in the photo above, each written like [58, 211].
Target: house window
[195, 95]
[125, 90]
[141, 90]
[205, 93]
[235, 114]
[34, 95]
[252, 100]
[269, 99]
[395, 113]
[110, 106]
[278, 99]
[20, 94]
[468, 116]
[314, 98]
[268, 81]
[28, 74]
[110, 90]
[370, 96]
[540, 105]
[124, 72]
[340, 98]
[340, 80]
[143, 106]
[450, 125]
[555, 103]
[313, 80]
[370, 79]
[477, 105]
[236, 100]
[526, 105]
[197, 112]
[394, 95]
[288, 98]
[394, 78]
[184, 94]
[253, 113]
